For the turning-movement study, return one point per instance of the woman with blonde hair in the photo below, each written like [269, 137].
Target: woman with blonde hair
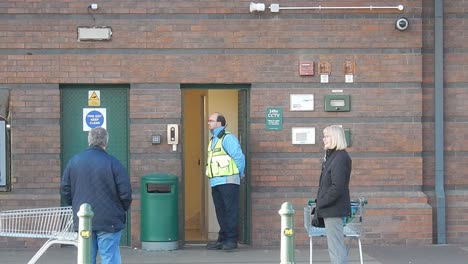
[333, 199]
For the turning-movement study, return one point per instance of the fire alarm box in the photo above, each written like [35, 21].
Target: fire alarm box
[337, 103]
[306, 68]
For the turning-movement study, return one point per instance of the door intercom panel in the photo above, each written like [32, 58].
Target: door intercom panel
[173, 135]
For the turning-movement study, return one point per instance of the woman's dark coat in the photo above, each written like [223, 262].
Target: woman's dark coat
[333, 199]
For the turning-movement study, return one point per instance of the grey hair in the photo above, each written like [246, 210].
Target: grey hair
[98, 136]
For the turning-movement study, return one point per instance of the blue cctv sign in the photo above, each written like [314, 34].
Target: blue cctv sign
[94, 117]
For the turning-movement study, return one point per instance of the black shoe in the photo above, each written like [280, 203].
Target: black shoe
[216, 245]
[229, 246]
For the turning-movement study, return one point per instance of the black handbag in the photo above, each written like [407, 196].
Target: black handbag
[317, 221]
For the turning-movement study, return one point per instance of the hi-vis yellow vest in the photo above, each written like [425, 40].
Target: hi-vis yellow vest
[219, 163]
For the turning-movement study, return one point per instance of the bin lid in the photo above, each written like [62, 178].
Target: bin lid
[159, 178]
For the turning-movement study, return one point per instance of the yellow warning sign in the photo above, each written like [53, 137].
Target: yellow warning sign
[94, 98]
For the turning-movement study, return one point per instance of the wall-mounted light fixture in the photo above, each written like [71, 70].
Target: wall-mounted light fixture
[274, 8]
[94, 33]
[93, 6]
[254, 7]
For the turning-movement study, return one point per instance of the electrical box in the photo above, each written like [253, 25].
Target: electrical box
[337, 103]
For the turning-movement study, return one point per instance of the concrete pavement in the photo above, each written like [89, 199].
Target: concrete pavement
[197, 254]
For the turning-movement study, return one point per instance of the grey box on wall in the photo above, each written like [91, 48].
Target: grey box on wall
[337, 103]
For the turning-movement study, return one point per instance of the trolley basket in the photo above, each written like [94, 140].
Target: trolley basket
[54, 224]
[352, 225]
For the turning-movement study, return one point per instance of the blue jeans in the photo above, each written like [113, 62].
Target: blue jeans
[226, 201]
[108, 245]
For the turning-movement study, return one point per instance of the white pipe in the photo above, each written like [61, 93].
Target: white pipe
[400, 7]
[276, 7]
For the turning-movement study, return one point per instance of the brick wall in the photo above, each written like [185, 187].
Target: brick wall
[35, 140]
[151, 108]
[158, 45]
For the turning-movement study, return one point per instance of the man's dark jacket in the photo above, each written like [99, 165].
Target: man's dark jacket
[333, 199]
[99, 179]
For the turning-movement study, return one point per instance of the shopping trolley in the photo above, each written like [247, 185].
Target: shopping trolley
[54, 223]
[352, 224]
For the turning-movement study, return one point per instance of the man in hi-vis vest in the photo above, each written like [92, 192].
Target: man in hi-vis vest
[225, 168]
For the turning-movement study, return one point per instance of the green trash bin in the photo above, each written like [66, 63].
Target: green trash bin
[159, 212]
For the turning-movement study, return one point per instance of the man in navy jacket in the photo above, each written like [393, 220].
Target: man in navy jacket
[99, 179]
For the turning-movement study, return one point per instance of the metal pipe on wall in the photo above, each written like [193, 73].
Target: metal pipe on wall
[439, 120]
[399, 7]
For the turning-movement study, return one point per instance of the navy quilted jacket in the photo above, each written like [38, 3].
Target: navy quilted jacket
[99, 179]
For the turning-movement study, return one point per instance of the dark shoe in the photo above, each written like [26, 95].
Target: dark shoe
[229, 246]
[216, 245]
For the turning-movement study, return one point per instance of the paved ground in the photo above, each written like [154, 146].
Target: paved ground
[196, 254]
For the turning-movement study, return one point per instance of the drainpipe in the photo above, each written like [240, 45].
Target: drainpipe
[439, 119]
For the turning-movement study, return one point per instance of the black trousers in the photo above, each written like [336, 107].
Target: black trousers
[226, 201]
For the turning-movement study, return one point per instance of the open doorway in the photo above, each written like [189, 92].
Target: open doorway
[200, 218]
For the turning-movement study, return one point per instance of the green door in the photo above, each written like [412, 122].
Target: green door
[90, 105]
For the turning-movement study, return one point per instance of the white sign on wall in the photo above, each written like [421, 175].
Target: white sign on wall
[303, 135]
[302, 102]
[94, 117]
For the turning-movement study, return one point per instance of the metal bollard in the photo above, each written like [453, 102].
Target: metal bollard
[85, 230]
[287, 233]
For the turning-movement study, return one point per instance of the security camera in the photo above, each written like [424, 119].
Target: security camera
[401, 24]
